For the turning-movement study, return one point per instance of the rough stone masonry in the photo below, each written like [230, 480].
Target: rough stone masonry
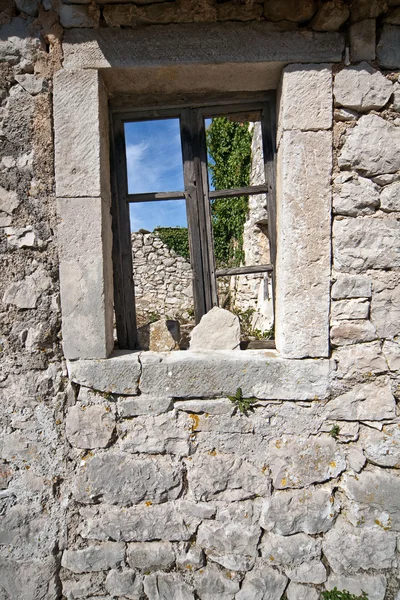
[127, 475]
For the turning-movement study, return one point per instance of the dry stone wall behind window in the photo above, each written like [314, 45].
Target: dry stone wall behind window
[131, 478]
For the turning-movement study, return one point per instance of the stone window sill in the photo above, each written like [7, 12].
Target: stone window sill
[261, 374]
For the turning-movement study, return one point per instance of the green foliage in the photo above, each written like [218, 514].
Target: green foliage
[336, 595]
[246, 327]
[229, 146]
[334, 432]
[176, 238]
[241, 404]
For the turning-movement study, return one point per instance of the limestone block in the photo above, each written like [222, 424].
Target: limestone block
[81, 133]
[390, 197]
[89, 426]
[143, 405]
[349, 549]
[373, 585]
[345, 114]
[122, 479]
[372, 401]
[150, 556]
[18, 44]
[354, 197]
[305, 98]
[382, 448]
[224, 477]
[121, 14]
[154, 434]
[203, 43]
[355, 458]
[293, 511]
[289, 551]
[352, 332]
[330, 16]
[31, 83]
[385, 305]
[356, 308]
[231, 12]
[74, 15]
[362, 40]
[9, 201]
[312, 572]
[296, 462]
[351, 286]
[118, 375]
[375, 499]
[161, 336]
[219, 329]
[215, 406]
[371, 147]
[167, 586]
[27, 292]
[20, 237]
[292, 10]
[29, 579]
[124, 583]
[212, 582]
[367, 9]
[262, 583]
[358, 360]
[302, 300]
[362, 88]
[81, 586]
[94, 558]
[173, 521]
[365, 243]
[221, 373]
[189, 556]
[297, 591]
[233, 538]
[391, 351]
[388, 49]
[396, 97]
[85, 277]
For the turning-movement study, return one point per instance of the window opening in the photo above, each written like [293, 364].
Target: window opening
[215, 229]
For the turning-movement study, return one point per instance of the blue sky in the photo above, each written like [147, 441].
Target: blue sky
[154, 164]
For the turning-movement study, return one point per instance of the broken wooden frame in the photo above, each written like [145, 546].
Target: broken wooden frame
[197, 195]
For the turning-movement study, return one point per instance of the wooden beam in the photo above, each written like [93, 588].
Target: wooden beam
[244, 191]
[244, 270]
[156, 196]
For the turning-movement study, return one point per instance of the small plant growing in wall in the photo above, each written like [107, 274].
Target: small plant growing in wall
[241, 404]
[334, 432]
[343, 595]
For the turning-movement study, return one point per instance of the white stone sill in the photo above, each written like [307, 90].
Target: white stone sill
[259, 373]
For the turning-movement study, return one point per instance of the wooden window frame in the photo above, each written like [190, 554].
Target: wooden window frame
[196, 194]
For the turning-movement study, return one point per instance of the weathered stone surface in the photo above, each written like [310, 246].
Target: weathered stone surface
[219, 329]
[262, 583]
[390, 197]
[189, 556]
[359, 196]
[30, 580]
[74, 15]
[373, 585]
[167, 586]
[222, 406]
[385, 305]
[352, 332]
[388, 49]
[236, 12]
[305, 98]
[362, 40]
[308, 511]
[355, 458]
[80, 586]
[220, 539]
[220, 373]
[362, 88]
[330, 16]
[349, 549]
[382, 447]
[9, 201]
[163, 433]
[150, 556]
[212, 582]
[396, 97]
[292, 10]
[173, 521]
[159, 336]
[351, 286]
[121, 14]
[216, 476]
[365, 243]
[297, 462]
[371, 147]
[356, 308]
[144, 405]
[303, 178]
[95, 558]
[312, 572]
[297, 591]
[29, 7]
[391, 351]
[85, 271]
[367, 9]
[132, 481]
[372, 401]
[345, 114]
[124, 583]
[20, 237]
[289, 551]
[89, 426]
[119, 374]
[26, 293]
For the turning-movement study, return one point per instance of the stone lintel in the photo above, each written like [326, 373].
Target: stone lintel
[86, 285]
[198, 43]
[261, 374]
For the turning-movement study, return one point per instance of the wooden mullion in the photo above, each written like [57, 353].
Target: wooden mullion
[124, 293]
[247, 270]
[268, 125]
[156, 196]
[244, 191]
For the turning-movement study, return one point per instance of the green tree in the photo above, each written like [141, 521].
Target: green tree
[229, 146]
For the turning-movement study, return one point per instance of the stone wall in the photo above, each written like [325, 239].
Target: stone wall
[129, 477]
